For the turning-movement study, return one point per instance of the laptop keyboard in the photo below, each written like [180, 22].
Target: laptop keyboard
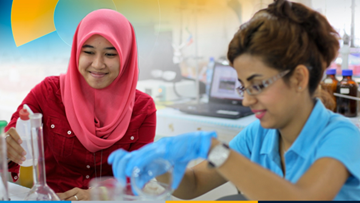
[223, 107]
[220, 109]
[214, 110]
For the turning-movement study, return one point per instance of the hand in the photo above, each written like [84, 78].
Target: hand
[15, 152]
[75, 194]
[179, 150]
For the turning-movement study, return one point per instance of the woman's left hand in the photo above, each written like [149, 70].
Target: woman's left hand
[75, 194]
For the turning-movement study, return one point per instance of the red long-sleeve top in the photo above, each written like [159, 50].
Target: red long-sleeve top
[68, 163]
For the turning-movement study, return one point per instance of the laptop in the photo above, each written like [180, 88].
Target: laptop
[224, 101]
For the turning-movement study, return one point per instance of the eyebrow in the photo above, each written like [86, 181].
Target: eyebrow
[89, 46]
[110, 48]
[253, 76]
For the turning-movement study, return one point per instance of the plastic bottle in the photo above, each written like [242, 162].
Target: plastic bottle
[349, 87]
[209, 73]
[23, 129]
[330, 82]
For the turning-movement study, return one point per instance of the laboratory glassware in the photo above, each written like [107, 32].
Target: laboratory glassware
[158, 177]
[4, 190]
[329, 83]
[40, 190]
[347, 86]
[104, 189]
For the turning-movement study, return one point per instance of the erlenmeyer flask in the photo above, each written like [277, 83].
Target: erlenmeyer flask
[40, 190]
[4, 191]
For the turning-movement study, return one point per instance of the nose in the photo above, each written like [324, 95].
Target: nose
[98, 62]
[248, 100]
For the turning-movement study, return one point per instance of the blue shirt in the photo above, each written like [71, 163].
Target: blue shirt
[325, 134]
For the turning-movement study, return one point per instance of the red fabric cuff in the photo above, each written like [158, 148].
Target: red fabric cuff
[14, 168]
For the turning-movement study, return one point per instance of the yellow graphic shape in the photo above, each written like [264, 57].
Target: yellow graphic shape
[32, 19]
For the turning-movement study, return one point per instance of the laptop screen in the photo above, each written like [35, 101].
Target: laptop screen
[224, 82]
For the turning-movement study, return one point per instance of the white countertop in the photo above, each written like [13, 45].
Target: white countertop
[172, 122]
[239, 123]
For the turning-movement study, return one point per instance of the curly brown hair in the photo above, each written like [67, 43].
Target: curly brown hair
[287, 34]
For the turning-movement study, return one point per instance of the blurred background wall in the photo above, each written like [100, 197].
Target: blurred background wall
[176, 35]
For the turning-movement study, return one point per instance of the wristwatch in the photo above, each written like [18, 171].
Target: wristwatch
[218, 155]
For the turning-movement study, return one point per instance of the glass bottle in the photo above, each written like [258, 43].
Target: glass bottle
[347, 86]
[4, 190]
[40, 190]
[330, 82]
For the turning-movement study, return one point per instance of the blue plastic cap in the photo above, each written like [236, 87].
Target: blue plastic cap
[330, 71]
[347, 72]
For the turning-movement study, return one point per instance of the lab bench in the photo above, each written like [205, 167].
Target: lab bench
[172, 122]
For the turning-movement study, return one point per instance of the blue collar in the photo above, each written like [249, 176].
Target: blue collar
[319, 117]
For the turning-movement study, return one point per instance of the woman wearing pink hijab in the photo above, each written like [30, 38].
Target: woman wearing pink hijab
[91, 110]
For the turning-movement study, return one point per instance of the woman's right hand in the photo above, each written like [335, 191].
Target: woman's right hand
[15, 152]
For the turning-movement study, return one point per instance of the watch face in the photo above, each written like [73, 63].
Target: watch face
[218, 155]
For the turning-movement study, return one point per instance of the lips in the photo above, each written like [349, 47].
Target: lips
[259, 113]
[97, 74]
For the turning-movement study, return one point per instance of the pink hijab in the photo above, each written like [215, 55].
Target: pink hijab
[111, 106]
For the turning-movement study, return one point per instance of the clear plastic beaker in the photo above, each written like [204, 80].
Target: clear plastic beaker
[105, 189]
[4, 190]
[40, 190]
[153, 182]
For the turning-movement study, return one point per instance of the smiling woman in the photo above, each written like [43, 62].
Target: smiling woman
[99, 62]
[92, 110]
[297, 149]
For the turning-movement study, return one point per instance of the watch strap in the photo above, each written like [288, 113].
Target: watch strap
[218, 155]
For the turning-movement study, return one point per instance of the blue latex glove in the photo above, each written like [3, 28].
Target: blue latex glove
[179, 150]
